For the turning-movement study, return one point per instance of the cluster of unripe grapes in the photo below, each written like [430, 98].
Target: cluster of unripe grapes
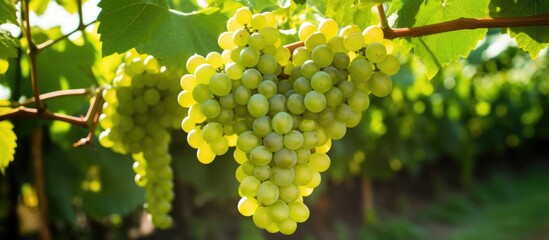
[138, 112]
[280, 109]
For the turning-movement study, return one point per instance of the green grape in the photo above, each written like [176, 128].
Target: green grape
[372, 34]
[305, 30]
[336, 130]
[321, 82]
[225, 41]
[282, 123]
[341, 60]
[196, 114]
[309, 68]
[287, 227]
[282, 176]
[299, 212]
[262, 173]
[270, 34]
[203, 73]
[269, 50]
[334, 97]
[353, 42]
[267, 193]
[258, 105]
[194, 138]
[381, 85]
[242, 95]
[315, 181]
[262, 126]
[249, 57]
[348, 30]
[219, 146]
[359, 101]
[310, 139]
[249, 186]
[300, 55]
[267, 88]
[315, 39]
[193, 62]
[247, 206]
[267, 64]
[303, 174]
[243, 16]
[343, 112]
[390, 65]
[360, 70]
[279, 211]
[302, 85]
[261, 217]
[289, 193]
[282, 55]
[201, 93]
[285, 158]
[205, 154]
[212, 131]
[234, 70]
[337, 45]
[251, 78]
[376, 52]
[295, 104]
[240, 37]
[293, 140]
[256, 42]
[319, 162]
[322, 55]
[185, 99]
[328, 27]
[259, 21]
[315, 101]
[220, 84]
[260, 156]
[215, 59]
[273, 142]
[247, 141]
[210, 108]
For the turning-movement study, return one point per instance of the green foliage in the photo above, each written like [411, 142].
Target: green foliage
[8, 45]
[531, 39]
[7, 12]
[438, 50]
[151, 27]
[7, 144]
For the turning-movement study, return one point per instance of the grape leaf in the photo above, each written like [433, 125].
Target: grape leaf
[151, 27]
[7, 12]
[353, 14]
[8, 45]
[7, 141]
[531, 39]
[438, 50]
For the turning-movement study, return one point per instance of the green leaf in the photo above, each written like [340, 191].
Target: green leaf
[8, 45]
[7, 144]
[438, 50]
[353, 14]
[7, 12]
[151, 27]
[531, 39]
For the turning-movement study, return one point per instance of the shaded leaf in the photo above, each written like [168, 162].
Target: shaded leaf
[8, 45]
[7, 144]
[7, 12]
[438, 50]
[151, 27]
[531, 39]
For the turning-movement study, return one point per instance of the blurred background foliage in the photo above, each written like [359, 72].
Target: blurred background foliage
[459, 156]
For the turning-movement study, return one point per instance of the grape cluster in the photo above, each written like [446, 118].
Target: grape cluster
[138, 112]
[281, 110]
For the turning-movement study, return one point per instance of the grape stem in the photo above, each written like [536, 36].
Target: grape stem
[460, 24]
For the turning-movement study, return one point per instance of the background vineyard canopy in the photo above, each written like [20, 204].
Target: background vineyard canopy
[172, 31]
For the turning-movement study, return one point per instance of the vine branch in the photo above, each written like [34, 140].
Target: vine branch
[51, 42]
[32, 52]
[460, 24]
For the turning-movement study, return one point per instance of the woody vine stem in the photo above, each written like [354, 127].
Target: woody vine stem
[90, 120]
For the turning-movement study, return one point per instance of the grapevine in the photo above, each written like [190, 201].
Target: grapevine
[281, 109]
[138, 112]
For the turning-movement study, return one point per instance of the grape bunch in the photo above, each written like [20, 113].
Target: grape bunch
[138, 112]
[281, 110]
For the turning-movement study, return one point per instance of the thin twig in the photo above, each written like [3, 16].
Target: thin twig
[294, 45]
[92, 118]
[32, 51]
[51, 42]
[52, 95]
[44, 114]
[462, 24]
[382, 17]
